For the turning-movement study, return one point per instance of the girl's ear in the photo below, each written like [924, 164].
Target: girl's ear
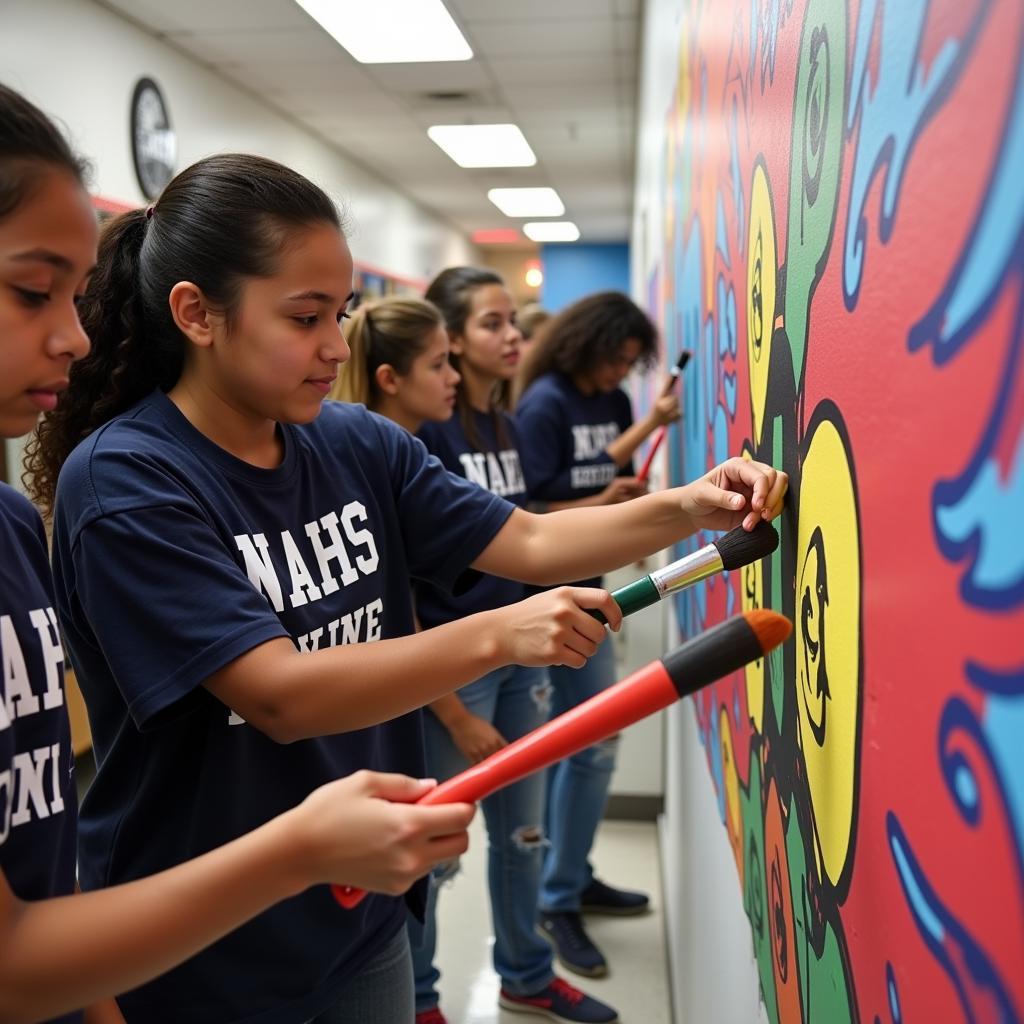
[387, 379]
[455, 345]
[192, 313]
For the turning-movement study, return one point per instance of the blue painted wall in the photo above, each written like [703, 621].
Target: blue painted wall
[572, 271]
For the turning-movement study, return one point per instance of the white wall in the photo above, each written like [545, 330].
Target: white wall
[712, 969]
[80, 63]
[639, 766]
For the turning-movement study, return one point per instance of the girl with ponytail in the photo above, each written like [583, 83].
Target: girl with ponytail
[62, 951]
[232, 559]
[399, 366]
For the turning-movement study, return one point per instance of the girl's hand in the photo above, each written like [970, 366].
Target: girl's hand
[665, 410]
[363, 830]
[623, 488]
[475, 737]
[737, 491]
[553, 629]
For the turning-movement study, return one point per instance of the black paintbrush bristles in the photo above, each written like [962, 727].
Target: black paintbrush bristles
[741, 547]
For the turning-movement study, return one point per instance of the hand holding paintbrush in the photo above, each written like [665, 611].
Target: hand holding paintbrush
[737, 548]
[670, 386]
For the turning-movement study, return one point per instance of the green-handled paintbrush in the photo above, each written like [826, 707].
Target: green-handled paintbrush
[734, 549]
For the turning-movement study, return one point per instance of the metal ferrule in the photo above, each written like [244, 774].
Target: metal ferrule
[687, 571]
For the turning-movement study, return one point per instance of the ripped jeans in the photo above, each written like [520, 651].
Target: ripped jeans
[515, 701]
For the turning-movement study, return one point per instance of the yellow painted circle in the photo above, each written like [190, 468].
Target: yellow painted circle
[761, 274]
[828, 641]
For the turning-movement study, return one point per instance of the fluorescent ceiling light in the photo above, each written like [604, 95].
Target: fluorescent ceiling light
[527, 202]
[551, 231]
[391, 31]
[484, 145]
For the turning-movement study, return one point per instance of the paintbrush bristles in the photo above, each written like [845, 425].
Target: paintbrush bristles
[741, 547]
[770, 628]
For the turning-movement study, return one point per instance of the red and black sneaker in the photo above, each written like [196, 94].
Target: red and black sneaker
[560, 1001]
[431, 1016]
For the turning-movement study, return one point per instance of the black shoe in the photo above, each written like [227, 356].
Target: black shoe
[599, 898]
[560, 1001]
[564, 930]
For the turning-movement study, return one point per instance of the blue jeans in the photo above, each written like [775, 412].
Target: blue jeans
[381, 993]
[515, 701]
[577, 787]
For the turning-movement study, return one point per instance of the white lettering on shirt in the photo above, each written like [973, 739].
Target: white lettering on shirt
[591, 439]
[497, 472]
[341, 557]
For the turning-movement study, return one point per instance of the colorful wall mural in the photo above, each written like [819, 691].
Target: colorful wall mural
[843, 205]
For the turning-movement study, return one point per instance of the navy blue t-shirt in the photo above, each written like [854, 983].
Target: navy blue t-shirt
[497, 469]
[564, 434]
[172, 558]
[37, 793]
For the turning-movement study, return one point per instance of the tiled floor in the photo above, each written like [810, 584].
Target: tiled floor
[625, 853]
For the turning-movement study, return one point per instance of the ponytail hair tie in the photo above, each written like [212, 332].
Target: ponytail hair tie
[149, 213]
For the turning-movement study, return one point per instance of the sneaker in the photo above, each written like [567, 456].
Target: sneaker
[575, 951]
[599, 898]
[431, 1016]
[560, 1001]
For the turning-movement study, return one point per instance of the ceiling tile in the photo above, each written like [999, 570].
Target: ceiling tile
[299, 45]
[323, 84]
[474, 12]
[548, 69]
[569, 37]
[450, 76]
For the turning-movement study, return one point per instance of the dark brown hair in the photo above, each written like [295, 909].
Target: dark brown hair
[29, 142]
[219, 222]
[452, 292]
[588, 333]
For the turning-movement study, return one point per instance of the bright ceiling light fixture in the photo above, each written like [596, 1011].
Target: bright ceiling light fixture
[527, 202]
[391, 31]
[551, 231]
[483, 145]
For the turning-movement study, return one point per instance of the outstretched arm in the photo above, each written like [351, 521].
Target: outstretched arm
[581, 542]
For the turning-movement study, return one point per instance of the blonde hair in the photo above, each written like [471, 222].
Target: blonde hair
[391, 331]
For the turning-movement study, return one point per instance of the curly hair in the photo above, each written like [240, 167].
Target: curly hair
[588, 333]
[221, 221]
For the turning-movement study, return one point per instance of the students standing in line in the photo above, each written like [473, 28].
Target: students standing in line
[578, 440]
[480, 443]
[62, 951]
[400, 368]
[232, 560]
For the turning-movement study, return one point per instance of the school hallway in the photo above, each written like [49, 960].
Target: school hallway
[626, 853]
